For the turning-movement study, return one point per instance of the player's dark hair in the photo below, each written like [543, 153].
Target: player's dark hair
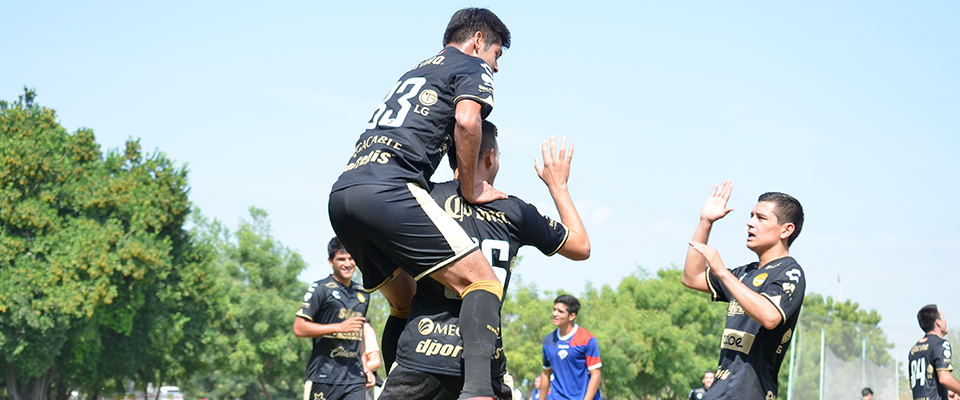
[573, 305]
[334, 246]
[709, 371]
[928, 316]
[788, 209]
[865, 392]
[488, 140]
[468, 21]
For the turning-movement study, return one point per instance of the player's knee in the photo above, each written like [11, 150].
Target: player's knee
[492, 286]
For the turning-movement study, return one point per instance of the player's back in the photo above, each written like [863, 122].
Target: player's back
[412, 128]
[931, 354]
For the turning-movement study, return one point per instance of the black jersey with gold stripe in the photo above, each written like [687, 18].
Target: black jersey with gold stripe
[336, 357]
[431, 340]
[929, 355]
[412, 128]
[750, 355]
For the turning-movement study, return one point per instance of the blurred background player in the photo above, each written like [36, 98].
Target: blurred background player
[697, 394]
[866, 394]
[764, 296]
[930, 363]
[380, 207]
[428, 362]
[571, 355]
[333, 314]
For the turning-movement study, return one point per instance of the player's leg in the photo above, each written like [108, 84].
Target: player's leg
[399, 293]
[473, 278]
[408, 384]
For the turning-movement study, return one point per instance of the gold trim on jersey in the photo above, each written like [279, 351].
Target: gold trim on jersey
[566, 235]
[776, 303]
[456, 238]
[713, 291]
[301, 314]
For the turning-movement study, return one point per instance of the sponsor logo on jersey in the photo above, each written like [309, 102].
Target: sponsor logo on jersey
[335, 294]
[946, 350]
[918, 348]
[330, 285]
[563, 354]
[307, 296]
[788, 288]
[428, 97]
[737, 340]
[346, 313]
[435, 60]
[770, 395]
[342, 352]
[432, 347]
[458, 209]
[361, 298]
[786, 336]
[759, 279]
[426, 326]
[774, 265]
[794, 275]
[734, 309]
[722, 374]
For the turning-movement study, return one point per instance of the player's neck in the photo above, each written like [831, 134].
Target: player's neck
[343, 281]
[936, 332]
[773, 253]
[566, 329]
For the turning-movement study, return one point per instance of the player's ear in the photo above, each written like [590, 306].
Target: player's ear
[786, 230]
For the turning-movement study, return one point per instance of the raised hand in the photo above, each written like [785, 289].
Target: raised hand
[709, 253]
[556, 164]
[715, 207]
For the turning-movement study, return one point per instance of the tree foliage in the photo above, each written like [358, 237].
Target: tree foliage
[99, 281]
[256, 355]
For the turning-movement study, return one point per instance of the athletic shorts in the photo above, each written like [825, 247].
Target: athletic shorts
[386, 227]
[326, 391]
[408, 384]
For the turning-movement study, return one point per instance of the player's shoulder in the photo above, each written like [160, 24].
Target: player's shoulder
[581, 337]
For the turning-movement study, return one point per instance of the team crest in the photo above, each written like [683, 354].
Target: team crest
[562, 354]
[361, 298]
[759, 279]
[335, 294]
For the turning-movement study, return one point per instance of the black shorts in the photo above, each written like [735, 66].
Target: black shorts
[327, 391]
[389, 227]
[408, 384]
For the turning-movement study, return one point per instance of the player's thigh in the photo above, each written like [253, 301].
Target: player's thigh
[461, 273]
[407, 226]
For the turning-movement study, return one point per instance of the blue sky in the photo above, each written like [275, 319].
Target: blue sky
[854, 108]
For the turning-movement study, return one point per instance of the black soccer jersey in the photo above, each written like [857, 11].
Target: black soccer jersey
[336, 357]
[929, 355]
[412, 128]
[750, 355]
[431, 340]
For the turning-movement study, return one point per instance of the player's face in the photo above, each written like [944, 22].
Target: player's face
[707, 380]
[763, 229]
[560, 315]
[343, 265]
[491, 54]
[943, 320]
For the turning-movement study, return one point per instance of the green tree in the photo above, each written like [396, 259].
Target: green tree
[100, 282]
[257, 356]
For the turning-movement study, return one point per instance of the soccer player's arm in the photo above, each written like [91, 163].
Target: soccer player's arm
[593, 368]
[472, 106]
[371, 354]
[555, 173]
[944, 366]
[695, 266]
[758, 306]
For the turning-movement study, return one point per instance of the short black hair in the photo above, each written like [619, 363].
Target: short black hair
[334, 246]
[488, 140]
[865, 392]
[928, 316]
[467, 21]
[573, 305]
[709, 371]
[788, 209]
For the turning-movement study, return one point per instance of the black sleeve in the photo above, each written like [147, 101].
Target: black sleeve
[540, 231]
